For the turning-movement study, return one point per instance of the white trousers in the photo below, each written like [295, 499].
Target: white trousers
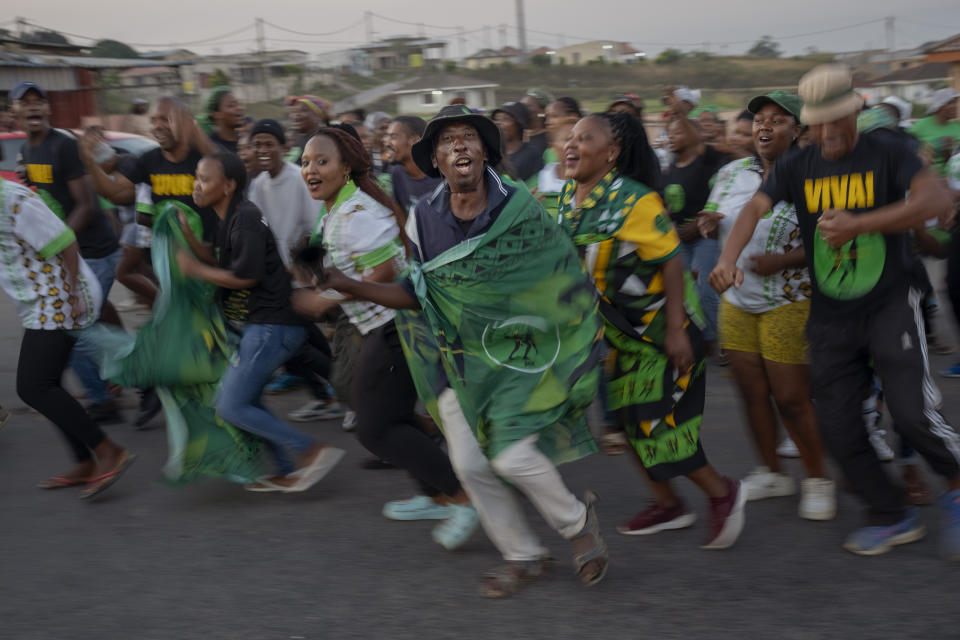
[524, 466]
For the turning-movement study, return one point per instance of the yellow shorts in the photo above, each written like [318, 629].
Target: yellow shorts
[777, 335]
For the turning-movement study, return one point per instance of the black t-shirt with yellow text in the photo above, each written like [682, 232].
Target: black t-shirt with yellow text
[876, 173]
[50, 166]
[173, 181]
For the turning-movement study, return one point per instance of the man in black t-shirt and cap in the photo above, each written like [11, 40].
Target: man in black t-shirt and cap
[850, 194]
[52, 162]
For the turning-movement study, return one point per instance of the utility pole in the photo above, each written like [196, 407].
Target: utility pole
[888, 22]
[463, 43]
[487, 42]
[368, 19]
[422, 29]
[21, 28]
[503, 35]
[264, 69]
[522, 31]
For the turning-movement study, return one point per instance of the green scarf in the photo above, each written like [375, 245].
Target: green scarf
[509, 321]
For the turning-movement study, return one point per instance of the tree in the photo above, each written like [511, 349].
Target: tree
[219, 78]
[669, 56]
[765, 47]
[46, 37]
[540, 60]
[113, 49]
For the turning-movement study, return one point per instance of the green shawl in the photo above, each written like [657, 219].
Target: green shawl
[509, 321]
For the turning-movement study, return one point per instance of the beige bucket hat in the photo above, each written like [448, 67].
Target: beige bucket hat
[827, 94]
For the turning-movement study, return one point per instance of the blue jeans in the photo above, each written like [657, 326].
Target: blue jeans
[81, 360]
[701, 256]
[263, 348]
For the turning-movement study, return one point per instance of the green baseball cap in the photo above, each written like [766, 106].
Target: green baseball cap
[789, 102]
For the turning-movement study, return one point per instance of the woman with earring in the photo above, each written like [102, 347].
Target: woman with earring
[253, 293]
[652, 322]
[359, 229]
[762, 321]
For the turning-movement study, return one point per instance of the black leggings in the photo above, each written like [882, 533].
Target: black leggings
[312, 362]
[384, 398]
[43, 358]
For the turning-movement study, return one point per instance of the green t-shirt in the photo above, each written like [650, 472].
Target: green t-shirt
[943, 138]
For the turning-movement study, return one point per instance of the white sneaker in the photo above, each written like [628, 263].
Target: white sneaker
[818, 499]
[762, 483]
[879, 442]
[316, 410]
[350, 420]
[788, 449]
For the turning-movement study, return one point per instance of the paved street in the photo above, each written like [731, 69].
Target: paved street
[212, 561]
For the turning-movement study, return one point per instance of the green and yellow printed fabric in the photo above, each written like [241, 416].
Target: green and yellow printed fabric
[625, 235]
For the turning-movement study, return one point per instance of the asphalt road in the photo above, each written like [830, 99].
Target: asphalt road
[212, 561]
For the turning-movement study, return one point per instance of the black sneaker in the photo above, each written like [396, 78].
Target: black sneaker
[149, 407]
[104, 412]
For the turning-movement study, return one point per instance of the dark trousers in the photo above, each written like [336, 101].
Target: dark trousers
[841, 350]
[384, 398]
[312, 362]
[43, 358]
[953, 274]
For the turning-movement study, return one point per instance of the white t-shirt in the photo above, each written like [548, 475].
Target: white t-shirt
[31, 267]
[287, 207]
[547, 180]
[776, 233]
[359, 234]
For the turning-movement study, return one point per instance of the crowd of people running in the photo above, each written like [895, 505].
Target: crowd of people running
[465, 291]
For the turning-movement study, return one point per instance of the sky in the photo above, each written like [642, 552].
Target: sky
[721, 27]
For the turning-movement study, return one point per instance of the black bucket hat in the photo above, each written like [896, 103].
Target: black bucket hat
[517, 111]
[489, 134]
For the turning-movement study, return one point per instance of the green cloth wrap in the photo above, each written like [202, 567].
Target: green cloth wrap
[509, 321]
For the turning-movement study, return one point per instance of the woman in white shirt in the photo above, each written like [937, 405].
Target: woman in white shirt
[762, 322]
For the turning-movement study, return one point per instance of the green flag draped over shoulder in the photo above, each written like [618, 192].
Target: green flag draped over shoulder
[509, 321]
[182, 351]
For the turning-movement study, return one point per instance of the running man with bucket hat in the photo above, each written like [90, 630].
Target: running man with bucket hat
[503, 348]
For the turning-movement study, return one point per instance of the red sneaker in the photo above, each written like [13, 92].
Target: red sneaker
[726, 518]
[655, 519]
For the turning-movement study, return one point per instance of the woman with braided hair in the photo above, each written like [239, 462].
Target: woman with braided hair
[360, 230]
[652, 318]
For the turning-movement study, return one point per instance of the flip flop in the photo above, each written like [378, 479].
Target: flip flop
[263, 485]
[322, 464]
[60, 482]
[100, 484]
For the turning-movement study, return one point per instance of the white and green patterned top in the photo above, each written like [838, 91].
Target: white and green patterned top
[953, 172]
[359, 234]
[776, 233]
[31, 267]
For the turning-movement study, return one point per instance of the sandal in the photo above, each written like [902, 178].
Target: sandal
[509, 578]
[613, 443]
[60, 482]
[98, 485]
[599, 550]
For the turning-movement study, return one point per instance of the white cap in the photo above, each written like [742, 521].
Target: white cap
[687, 95]
[940, 98]
[902, 106]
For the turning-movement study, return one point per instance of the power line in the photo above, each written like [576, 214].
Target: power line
[696, 44]
[328, 33]
[142, 44]
[415, 24]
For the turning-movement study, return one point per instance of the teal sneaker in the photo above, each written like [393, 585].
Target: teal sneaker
[872, 541]
[416, 508]
[950, 534]
[457, 529]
